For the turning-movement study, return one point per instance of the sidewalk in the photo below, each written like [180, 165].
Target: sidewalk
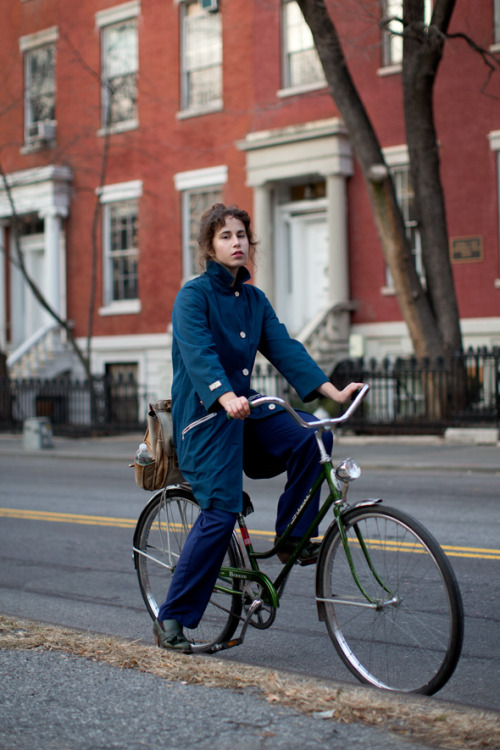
[465, 452]
[68, 689]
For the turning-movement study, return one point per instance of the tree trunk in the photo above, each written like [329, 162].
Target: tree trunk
[415, 305]
[422, 53]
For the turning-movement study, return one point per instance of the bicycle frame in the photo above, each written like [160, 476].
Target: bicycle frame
[336, 498]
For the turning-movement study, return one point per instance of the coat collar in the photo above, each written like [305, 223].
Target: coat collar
[223, 278]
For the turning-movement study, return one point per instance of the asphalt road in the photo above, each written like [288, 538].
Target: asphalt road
[67, 560]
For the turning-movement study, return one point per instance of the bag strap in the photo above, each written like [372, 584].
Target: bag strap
[162, 409]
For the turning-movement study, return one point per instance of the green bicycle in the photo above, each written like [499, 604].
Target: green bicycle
[384, 587]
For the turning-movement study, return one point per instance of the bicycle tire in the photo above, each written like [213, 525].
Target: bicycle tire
[412, 645]
[159, 537]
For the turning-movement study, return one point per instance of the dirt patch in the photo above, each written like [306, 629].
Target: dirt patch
[418, 719]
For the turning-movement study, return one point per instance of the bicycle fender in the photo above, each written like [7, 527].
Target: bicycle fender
[331, 530]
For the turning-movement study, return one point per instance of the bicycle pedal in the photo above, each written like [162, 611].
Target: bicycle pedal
[310, 561]
[227, 644]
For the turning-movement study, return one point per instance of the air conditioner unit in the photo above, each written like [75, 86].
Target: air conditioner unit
[211, 5]
[42, 131]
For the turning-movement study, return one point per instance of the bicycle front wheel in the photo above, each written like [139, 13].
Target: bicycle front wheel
[405, 631]
[159, 538]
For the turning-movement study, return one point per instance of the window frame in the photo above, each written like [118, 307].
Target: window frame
[28, 45]
[189, 108]
[118, 15]
[494, 139]
[289, 86]
[495, 47]
[111, 195]
[392, 62]
[398, 161]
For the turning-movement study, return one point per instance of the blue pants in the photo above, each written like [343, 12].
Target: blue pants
[271, 446]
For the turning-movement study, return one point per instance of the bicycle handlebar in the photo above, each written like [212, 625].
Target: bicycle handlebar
[326, 424]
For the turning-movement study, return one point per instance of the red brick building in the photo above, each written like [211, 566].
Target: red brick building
[120, 122]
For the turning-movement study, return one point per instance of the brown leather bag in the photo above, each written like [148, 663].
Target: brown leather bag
[164, 469]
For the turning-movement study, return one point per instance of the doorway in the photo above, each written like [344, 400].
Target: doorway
[301, 263]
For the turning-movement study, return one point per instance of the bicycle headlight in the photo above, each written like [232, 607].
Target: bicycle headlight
[348, 470]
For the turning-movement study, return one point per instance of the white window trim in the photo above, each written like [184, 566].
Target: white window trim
[396, 156]
[39, 39]
[494, 139]
[119, 127]
[121, 191]
[117, 13]
[297, 90]
[200, 178]
[121, 307]
[215, 106]
[390, 70]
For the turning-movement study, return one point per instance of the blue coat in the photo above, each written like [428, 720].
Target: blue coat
[217, 331]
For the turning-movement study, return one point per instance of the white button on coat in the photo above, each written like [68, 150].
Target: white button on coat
[243, 334]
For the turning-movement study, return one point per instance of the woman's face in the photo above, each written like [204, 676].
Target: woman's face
[230, 245]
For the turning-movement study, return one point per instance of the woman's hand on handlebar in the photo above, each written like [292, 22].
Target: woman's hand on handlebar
[235, 406]
[340, 397]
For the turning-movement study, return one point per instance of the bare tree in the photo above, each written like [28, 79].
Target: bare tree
[431, 312]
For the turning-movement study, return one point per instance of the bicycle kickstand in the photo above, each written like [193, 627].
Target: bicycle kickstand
[252, 610]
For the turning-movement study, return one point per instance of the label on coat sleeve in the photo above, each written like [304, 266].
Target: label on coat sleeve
[215, 385]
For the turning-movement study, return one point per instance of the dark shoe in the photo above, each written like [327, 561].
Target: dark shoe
[308, 556]
[168, 634]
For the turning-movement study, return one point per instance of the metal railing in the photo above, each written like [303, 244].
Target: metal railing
[408, 396]
[103, 405]
[405, 396]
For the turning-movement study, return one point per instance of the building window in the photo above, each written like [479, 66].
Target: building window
[406, 199]
[301, 64]
[496, 21]
[201, 65]
[392, 39]
[119, 73]
[494, 139]
[40, 91]
[120, 247]
[39, 51]
[200, 189]
[195, 203]
[121, 250]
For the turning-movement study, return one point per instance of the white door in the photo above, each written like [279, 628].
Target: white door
[26, 312]
[302, 273]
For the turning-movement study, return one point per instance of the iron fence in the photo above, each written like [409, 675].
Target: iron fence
[103, 405]
[406, 396]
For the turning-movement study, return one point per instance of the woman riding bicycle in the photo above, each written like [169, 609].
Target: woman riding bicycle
[219, 324]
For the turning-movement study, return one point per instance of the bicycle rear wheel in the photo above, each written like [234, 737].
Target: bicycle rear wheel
[410, 638]
[159, 537]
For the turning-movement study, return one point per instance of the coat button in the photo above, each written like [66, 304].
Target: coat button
[245, 372]
[236, 294]
[243, 334]
[272, 406]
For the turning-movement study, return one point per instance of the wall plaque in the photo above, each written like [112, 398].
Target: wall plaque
[466, 249]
